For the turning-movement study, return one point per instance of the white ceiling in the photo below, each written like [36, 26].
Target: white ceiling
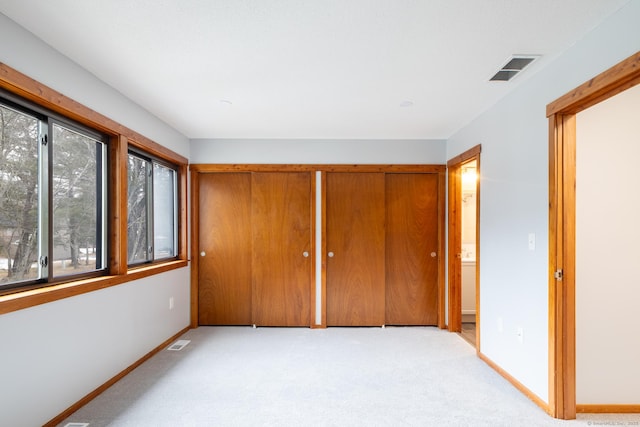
[309, 68]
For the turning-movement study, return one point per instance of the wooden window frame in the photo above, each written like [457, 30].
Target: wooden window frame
[120, 139]
[562, 209]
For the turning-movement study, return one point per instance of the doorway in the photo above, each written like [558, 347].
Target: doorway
[468, 207]
[607, 136]
[562, 232]
[463, 216]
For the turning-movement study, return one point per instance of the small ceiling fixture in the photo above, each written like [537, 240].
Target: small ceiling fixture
[515, 65]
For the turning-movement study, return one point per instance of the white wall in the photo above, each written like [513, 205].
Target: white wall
[514, 198]
[32, 57]
[270, 151]
[54, 354]
[607, 252]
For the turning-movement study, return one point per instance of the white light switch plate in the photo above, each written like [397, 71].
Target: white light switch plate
[532, 241]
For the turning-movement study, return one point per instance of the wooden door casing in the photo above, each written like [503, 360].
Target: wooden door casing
[224, 276]
[281, 216]
[412, 249]
[355, 215]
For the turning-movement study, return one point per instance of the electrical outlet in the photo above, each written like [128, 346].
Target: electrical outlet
[520, 335]
[170, 303]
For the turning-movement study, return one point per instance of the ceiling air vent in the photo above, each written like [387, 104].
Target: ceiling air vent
[516, 64]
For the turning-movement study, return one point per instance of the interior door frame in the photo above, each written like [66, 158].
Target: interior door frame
[197, 169]
[562, 210]
[454, 210]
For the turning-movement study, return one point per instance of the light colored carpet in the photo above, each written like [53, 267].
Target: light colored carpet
[240, 376]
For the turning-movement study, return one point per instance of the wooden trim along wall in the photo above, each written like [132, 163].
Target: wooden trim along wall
[517, 384]
[455, 248]
[323, 255]
[562, 173]
[442, 215]
[312, 273]
[608, 409]
[203, 168]
[95, 393]
[120, 139]
[195, 245]
[197, 169]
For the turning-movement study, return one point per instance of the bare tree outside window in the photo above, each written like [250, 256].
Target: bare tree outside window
[18, 196]
[164, 211]
[137, 223]
[152, 203]
[52, 190]
[53, 199]
[76, 236]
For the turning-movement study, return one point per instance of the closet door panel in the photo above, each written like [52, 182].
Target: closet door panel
[224, 276]
[355, 215]
[412, 249]
[281, 215]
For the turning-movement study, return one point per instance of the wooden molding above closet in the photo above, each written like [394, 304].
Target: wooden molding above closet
[204, 168]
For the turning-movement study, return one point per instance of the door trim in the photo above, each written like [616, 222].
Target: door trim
[455, 237]
[195, 245]
[562, 177]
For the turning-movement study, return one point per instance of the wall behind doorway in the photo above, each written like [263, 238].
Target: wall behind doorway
[607, 251]
[468, 271]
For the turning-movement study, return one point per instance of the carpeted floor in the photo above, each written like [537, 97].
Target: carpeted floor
[240, 376]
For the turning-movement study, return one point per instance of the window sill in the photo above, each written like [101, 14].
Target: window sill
[31, 298]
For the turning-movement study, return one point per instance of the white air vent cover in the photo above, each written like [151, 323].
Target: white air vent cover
[178, 345]
[513, 67]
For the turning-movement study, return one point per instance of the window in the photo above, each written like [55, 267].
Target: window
[78, 226]
[52, 189]
[63, 198]
[152, 209]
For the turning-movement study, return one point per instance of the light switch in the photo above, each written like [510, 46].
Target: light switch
[532, 241]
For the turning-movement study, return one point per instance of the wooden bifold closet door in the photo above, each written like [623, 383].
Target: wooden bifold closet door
[255, 242]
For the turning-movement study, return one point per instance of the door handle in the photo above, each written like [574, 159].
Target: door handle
[203, 253]
[330, 254]
[305, 254]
